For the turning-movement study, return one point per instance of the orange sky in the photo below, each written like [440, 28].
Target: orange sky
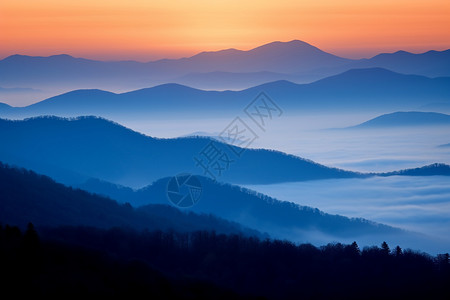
[149, 29]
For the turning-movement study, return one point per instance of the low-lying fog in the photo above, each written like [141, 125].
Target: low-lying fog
[420, 204]
[309, 136]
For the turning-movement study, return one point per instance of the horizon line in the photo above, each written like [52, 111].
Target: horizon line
[96, 58]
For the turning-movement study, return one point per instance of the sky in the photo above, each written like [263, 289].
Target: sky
[145, 30]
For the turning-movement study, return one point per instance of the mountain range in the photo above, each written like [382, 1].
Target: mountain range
[295, 61]
[223, 208]
[278, 57]
[47, 203]
[354, 90]
[74, 150]
[431, 63]
[99, 156]
[62, 253]
[102, 193]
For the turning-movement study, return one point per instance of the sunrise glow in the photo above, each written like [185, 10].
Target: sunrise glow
[146, 30]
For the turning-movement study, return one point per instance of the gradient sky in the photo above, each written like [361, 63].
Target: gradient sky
[146, 30]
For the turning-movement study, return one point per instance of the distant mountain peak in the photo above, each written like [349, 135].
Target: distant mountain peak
[17, 58]
[166, 87]
[406, 53]
[171, 86]
[277, 84]
[289, 43]
[294, 45]
[23, 56]
[63, 56]
[84, 91]
[401, 52]
[406, 118]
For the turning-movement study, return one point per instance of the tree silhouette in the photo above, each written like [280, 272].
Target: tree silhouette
[92, 261]
[355, 248]
[385, 248]
[31, 238]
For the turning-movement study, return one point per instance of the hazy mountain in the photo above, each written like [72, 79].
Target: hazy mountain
[46, 203]
[359, 89]
[225, 69]
[73, 150]
[431, 63]
[279, 57]
[92, 147]
[28, 197]
[65, 69]
[220, 80]
[377, 87]
[68, 71]
[412, 118]
[278, 218]
[433, 169]
[286, 220]
[139, 197]
[168, 98]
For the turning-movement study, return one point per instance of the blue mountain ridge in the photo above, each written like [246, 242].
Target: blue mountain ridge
[74, 150]
[298, 60]
[354, 90]
[431, 63]
[222, 207]
[91, 147]
[410, 118]
[29, 197]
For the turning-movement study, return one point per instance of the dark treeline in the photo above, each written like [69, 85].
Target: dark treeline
[26, 196]
[205, 265]
[32, 266]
